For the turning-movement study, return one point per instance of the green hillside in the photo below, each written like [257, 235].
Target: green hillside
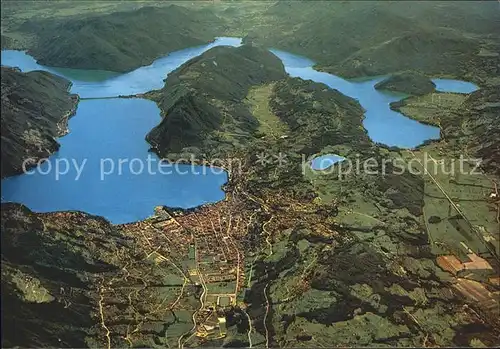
[292, 257]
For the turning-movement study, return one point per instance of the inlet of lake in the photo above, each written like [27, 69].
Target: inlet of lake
[105, 131]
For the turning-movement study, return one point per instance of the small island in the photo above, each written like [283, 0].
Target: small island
[412, 83]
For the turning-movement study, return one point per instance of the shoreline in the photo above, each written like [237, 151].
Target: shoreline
[63, 123]
[61, 130]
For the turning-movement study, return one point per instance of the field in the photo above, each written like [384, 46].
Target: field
[458, 211]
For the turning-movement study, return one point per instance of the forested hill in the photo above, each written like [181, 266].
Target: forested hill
[35, 110]
[121, 41]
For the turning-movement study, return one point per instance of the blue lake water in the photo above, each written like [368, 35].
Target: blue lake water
[456, 86]
[105, 132]
[105, 148]
[107, 143]
[326, 161]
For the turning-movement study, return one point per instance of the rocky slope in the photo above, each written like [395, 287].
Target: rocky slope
[35, 109]
[120, 41]
[364, 273]
[411, 83]
[353, 39]
[203, 101]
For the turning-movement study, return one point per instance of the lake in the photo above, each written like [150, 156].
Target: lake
[106, 148]
[103, 166]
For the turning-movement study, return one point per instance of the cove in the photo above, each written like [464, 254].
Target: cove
[383, 125]
[323, 162]
[113, 130]
[98, 83]
[455, 86]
